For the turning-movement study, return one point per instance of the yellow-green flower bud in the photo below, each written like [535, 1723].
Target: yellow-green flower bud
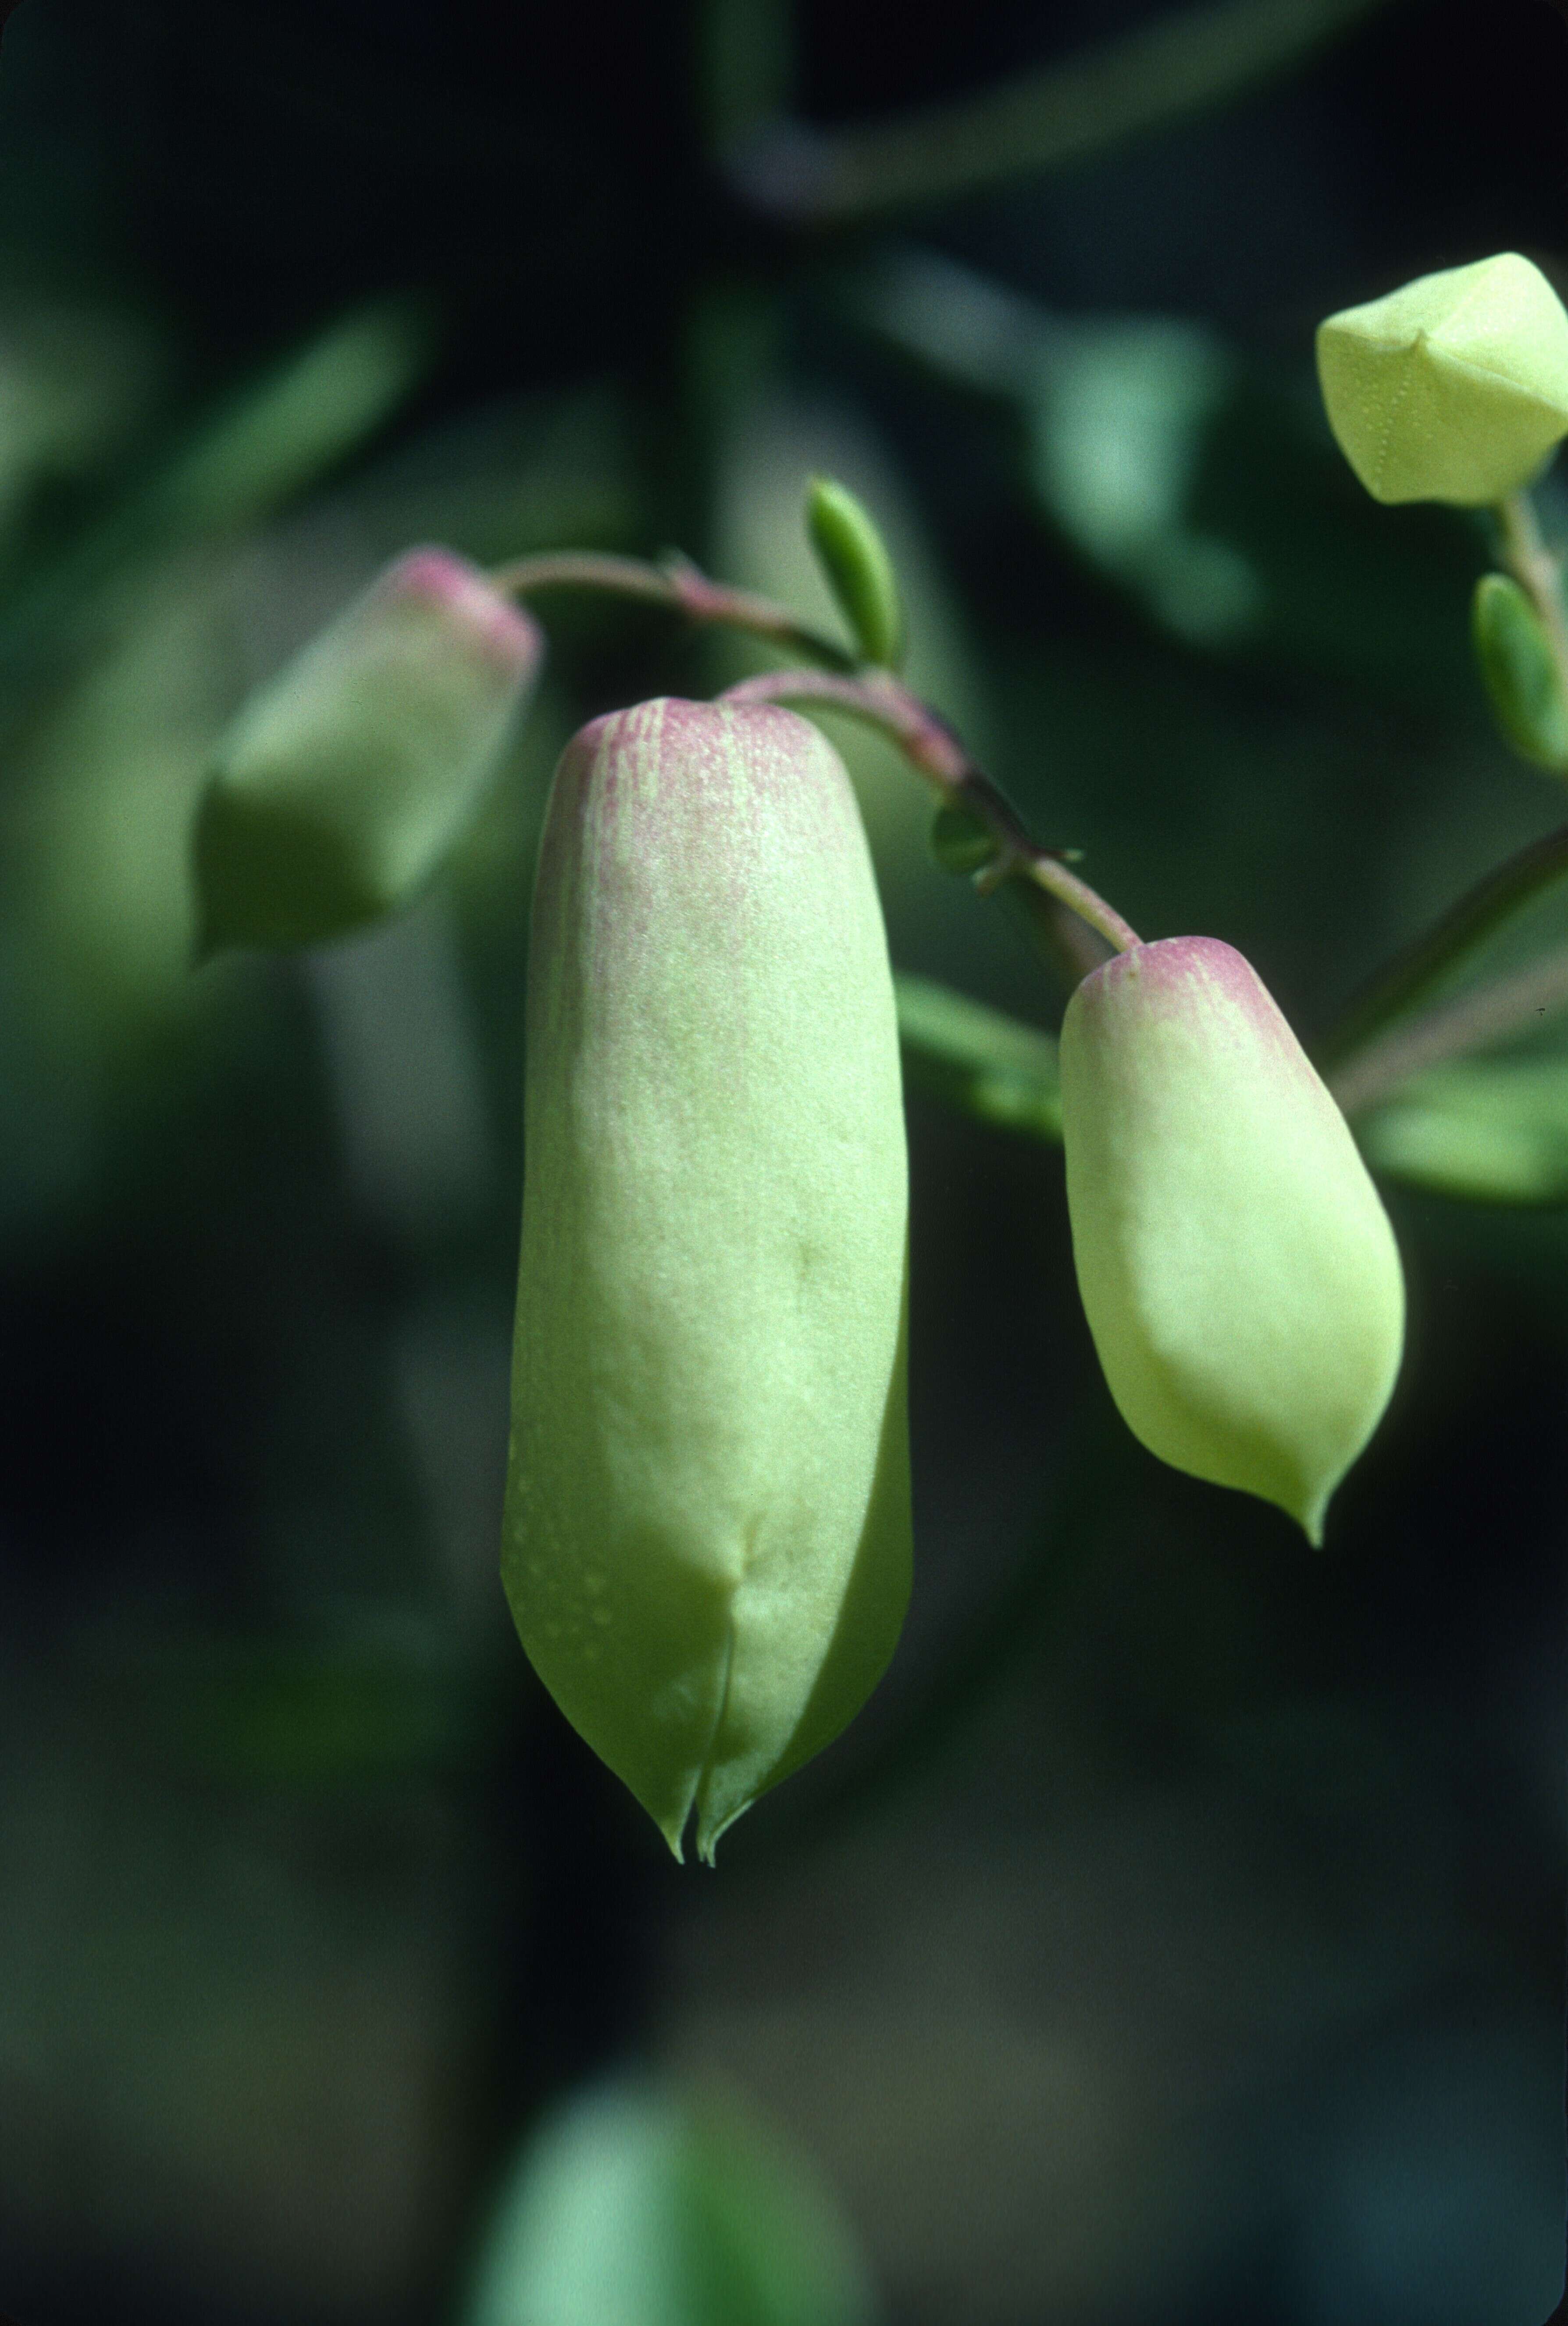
[1238, 1271]
[343, 784]
[707, 1538]
[1454, 389]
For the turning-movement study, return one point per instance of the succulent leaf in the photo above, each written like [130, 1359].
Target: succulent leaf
[979, 1059]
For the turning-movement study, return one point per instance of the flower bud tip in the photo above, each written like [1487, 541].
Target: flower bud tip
[439, 576]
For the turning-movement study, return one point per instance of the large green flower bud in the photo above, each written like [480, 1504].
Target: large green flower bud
[343, 784]
[1238, 1271]
[1454, 389]
[707, 1539]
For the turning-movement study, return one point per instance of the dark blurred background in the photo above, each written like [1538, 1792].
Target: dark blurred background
[1177, 1939]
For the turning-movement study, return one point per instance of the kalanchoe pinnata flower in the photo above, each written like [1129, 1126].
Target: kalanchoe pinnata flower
[343, 784]
[707, 1536]
[1238, 1271]
[1454, 388]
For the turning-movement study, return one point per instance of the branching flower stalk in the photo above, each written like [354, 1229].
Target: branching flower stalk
[935, 751]
[838, 683]
[1363, 1060]
[1414, 973]
[1478, 1020]
[676, 584]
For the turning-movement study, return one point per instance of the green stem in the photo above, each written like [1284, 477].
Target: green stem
[1062, 909]
[677, 585]
[932, 748]
[1043, 120]
[1473, 1022]
[1412, 974]
[1538, 572]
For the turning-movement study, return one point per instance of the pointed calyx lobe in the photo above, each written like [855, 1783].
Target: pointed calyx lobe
[707, 1538]
[1237, 1268]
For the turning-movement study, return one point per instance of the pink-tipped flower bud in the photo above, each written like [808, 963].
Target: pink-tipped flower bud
[1238, 1271]
[707, 1537]
[344, 784]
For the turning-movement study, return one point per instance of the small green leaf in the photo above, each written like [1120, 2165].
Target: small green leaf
[959, 841]
[1491, 1131]
[979, 1060]
[854, 557]
[633, 2207]
[1520, 672]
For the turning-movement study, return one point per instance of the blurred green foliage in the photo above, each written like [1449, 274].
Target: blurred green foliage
[1178, 1935]
[1495, 1132]
[980, 1059]
[636, 2206]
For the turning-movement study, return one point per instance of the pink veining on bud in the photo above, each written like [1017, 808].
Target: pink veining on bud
[1180, 982]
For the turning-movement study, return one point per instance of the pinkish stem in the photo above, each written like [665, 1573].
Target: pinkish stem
[932, 748]
[927, 741]
[676, 584]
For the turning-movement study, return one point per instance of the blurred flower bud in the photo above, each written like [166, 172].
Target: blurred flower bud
[1520, 672]
[1454, 389]
[707, 1539]
[1238, 1271]
[344, 783]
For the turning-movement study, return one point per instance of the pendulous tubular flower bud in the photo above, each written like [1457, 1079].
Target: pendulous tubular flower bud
[1454, 389]
[1238, 1271]
[707, 1542]
[341, 786]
